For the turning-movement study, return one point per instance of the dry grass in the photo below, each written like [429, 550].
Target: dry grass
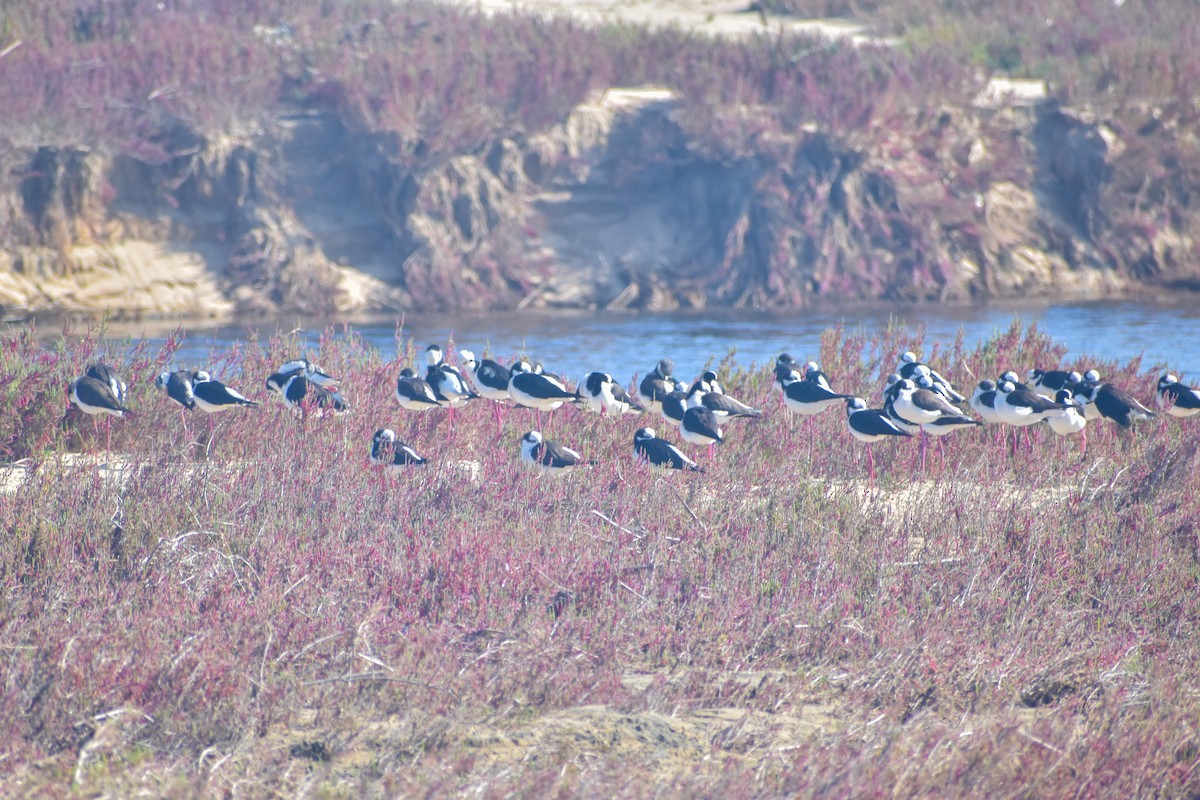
[270, 617]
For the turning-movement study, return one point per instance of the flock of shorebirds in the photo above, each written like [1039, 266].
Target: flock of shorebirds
[917, 401]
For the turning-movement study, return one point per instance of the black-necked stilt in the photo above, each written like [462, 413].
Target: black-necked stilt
[944, 426]
[600, 393]
[447, 382]
[547, 456]
[413, 393]
[1012, 377]
[1021, 407]
[921, 406]
[673, 405]
[538, 391]
[785, 366]
[1048, 382]
[813, 373]
[490, 378]
[311, 371]
[106, 374]
[1116, 404]
[1069, 419]
[523, 364]
[707, 392]
[983, 401]
[95, 397]
[213, 396]
[1083, 390]
[699, 426]
[889, 410]
[178, 386]
[808, 397]
[1178, 399]
[658, 383]
[870, 425]
[300, 366]
[726, 407]
[390, 452]
[302, 394]
[909, 367]
[785, 374]
[278, 379]
[923, 378]
[660, 453]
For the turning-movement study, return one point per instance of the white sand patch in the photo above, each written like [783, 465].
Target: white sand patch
[711, 17]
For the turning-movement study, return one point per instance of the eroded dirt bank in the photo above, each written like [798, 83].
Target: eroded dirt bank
[620, 205]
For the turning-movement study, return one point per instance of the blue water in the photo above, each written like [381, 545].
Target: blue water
[576, 343]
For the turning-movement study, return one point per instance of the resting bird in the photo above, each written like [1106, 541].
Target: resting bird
[547, 456]
[390, 452]
[178, 386]
[1178, 399]
[658, 383]
[870, 425]
[599, 392]
[657, 452]
[1115, 404]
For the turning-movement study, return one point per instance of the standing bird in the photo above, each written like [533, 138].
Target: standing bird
[1021, 407]
[673, 405]
[707, 392]
[106, 374]
[699, 426]
[658, 383]
[548, 456]
[1069, 419]
[657, 452]
[491, 380]
[490, 377]
[303, 394]
[1083, 389]
[414, 394]
[391, 453]
[96, 397]
[300, 366]
[599, 392]
[870, 425]
[1116, 404]
[921, 406]
[178, 386]
[983, 401]
[809, 397]
[1178, 399]
[812, 372]
[448, 384]
[212, 396]
[945, 425]
[785, 366]
[538, 391]
[1048, 382]
[909, 366]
